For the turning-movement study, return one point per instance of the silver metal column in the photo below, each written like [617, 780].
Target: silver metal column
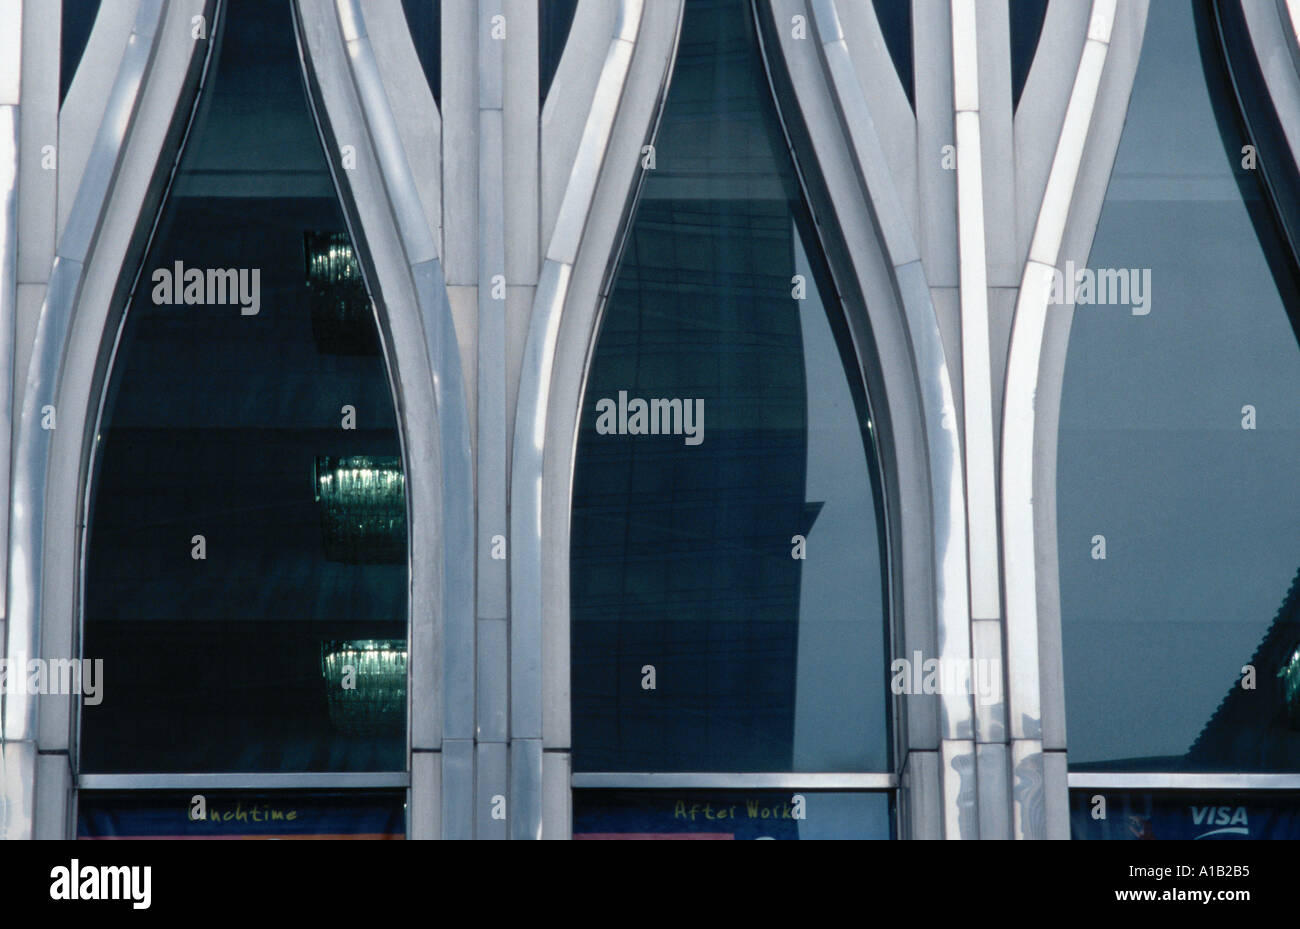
[977, 406]
[497, 37]
[11, 62]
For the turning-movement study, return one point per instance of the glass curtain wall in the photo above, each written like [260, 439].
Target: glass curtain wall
[728, 602]
[246, 572]
[1179, 524]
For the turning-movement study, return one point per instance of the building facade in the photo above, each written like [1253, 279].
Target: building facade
[627, 418]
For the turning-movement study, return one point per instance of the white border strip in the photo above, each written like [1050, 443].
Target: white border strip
[1018, 422]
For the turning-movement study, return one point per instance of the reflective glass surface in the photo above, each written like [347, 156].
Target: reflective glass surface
[727, 594]
[1178, 516]
[1027, 18]
[424, 20]
[555, 19]
[895, 18]
[247, 537]
[78, 18]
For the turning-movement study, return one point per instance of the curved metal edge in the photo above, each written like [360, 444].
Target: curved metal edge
[795, 131]
[30, 477]
[564, 111]
[1019, 541]
[9, 146]
[1271, 29]
[856, 116]
[1037, 120]
[943, 449]
[78, 113]
[403, 272]
[1087, 199]
[418, 120]
[594, 274]
[71, 345]
[866, 46]
[864, 284]
[532, 419]
[818, 167]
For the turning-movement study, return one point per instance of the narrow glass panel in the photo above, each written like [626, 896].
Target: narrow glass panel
[727, 593]
[77, 21]
[247, 539]
[353, 814]
[1185, 814]
[895, 18]
[1026, 26]
[731, 815]
[555, 19]
[424, 20]
[1179, 520]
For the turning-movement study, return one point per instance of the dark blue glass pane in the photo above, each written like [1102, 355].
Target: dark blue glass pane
[1181, 815]
[1026, 26]
[555, 19]
[1179, 441]
[424, 20]
[78, 20]
[895, 17]
[731, 815]
[249, 339]
[685, 518]
[355, 814]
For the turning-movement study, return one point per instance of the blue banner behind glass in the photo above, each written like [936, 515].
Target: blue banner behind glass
[239, 815]
[730, 815]
[1210, 816]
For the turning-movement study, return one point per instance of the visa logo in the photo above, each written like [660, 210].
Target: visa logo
[1232, 817]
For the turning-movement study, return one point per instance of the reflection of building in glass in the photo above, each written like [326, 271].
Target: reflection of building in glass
[340, 307]
[365, 683]
[362, 502]
[1161, 449]
[685, 557]
[1254, 729]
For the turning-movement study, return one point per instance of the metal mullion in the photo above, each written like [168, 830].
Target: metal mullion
[324, 780]
[733, 781]
[1158, 780]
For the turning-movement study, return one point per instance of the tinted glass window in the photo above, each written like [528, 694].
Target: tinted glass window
[1026, 26]
[424, 20]
[727, 586]
[1179, 442]
[895, 17]
[555, 20]
[77, 21]
[247, 538]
